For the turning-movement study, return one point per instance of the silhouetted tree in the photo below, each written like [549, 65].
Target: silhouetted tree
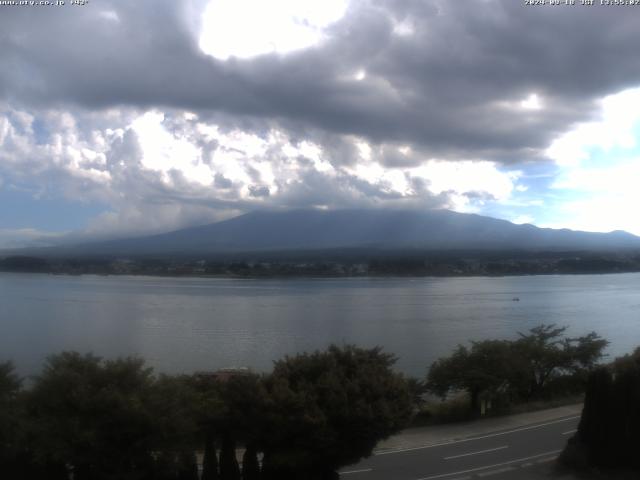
[210, 459]
[242, 419]
[229, 468]
[93, 415]
[209, 412]
[12, 423]
[486, 367]
[187, 466]
[595, 422]
[520, 369]
[329, 409]
[610, 423]
[173, 403]
[250, 464]
[545, 353]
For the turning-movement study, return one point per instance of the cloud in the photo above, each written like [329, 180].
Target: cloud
[143, 107]
[602, 197]
[30, 237]
[598, 163]
[459, 82]
[162, 170]
[522, 219]
[280, 26]
[613, 127]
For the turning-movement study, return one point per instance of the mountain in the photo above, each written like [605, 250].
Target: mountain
[383, 229]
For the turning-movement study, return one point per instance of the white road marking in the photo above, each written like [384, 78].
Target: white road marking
[496, 472]
[462, 472]
[452, 442]
[545, 460]
[476, 453]
[364, 470]
[569, 432]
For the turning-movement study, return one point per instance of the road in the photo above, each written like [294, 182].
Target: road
[500, 455]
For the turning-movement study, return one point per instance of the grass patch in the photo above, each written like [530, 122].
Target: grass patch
[544, 404]
[437, 412]
[457, 409]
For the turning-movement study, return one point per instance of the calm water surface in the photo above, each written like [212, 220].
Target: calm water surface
[187, 324]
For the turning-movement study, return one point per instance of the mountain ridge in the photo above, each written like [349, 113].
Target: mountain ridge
[357, 228]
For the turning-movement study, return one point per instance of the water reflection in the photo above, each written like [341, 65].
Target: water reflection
[181, 325]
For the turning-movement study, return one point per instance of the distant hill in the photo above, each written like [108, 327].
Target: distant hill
[384, 229]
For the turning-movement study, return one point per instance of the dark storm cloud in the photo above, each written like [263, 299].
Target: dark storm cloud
[221, 182]
[258, 191]
[451, 87]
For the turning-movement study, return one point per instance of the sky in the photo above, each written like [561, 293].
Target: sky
[122, 118]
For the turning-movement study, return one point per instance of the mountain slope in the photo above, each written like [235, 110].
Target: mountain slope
[317, 230]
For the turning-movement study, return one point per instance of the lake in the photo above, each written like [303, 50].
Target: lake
[189, 324]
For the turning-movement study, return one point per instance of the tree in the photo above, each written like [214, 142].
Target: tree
[585, 352]
[174, 404]
[486, 368]
[94, 415]
[610, 423]
[329, 409]
[520, 369]
[544, 353]
[210, 459]
[209, 413]
[11, 420]
[233, 411]
[187, 466]
[10, 385]
[250, 464]
[229, 468]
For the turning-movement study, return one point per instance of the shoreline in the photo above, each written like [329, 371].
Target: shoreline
[311, 276]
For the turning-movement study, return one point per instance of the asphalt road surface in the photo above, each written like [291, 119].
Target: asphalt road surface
[500, 455]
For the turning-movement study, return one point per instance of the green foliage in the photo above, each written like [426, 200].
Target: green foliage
[545, 354]
[610, 423]
[485, 368]
[541, 353]
[11, 417]
[115, 419]
[608, 432]
[523, 369]
[250, 464]
[452, 410]
[329, 409]
[243, 403]
[229, 468]
[187, 466]
[232, 409]
[94, 415]
[210, 460]
[10, 385]
[175, 406]
[586, 351]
